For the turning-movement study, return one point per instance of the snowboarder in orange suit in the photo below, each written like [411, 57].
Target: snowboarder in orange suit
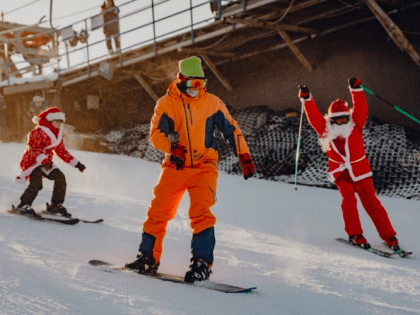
[183, 126]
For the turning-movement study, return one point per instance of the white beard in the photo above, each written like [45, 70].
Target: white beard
[334, 131]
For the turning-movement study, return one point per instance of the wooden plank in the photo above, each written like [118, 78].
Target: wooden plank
[294, 8]
[216, 72]
[393, 31]
[262, 24]
[296, 51]
[7, 90]
[250, 4]
[207, 52]
[147, 87]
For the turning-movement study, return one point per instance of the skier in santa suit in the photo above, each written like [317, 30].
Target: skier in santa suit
[37, 162]
[341, 137]
[183, 126]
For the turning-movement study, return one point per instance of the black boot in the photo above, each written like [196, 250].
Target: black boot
[199, 271]
[58, 209]
[144, 264]
[27, 210]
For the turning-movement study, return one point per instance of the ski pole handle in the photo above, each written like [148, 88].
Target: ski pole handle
[367, 90]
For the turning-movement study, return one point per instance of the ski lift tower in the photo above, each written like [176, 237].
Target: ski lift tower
[35, 45]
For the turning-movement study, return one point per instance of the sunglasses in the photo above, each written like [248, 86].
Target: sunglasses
[340, 120]
[196, 83]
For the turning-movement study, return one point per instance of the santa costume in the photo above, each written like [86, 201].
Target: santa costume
[348, 166]
[37, 161]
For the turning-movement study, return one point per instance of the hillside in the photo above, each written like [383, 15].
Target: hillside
[268, 236]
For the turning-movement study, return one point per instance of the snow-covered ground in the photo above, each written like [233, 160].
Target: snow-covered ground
[268, 236]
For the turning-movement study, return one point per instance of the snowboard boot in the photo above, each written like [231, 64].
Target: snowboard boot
[27, 210]
[144, 264]
[392, 243]
[359, 240]
[199, 271]
[57, 209]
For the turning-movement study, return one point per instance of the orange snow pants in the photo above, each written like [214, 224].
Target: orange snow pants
[201, 185]
[367, 194]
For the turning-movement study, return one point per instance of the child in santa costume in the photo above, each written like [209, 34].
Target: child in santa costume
[36, 162]
[341, 137]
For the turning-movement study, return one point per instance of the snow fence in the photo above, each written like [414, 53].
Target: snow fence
[393, 151]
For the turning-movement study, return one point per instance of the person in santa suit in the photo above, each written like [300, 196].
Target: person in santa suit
[341, 137]
[37, 162]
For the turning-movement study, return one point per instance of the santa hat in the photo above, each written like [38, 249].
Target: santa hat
[338, 108]
[50, 114]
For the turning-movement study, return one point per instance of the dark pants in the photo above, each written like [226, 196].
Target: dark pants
[109, 38]
[35, 185]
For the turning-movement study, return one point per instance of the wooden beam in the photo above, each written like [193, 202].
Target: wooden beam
[22, 88]
[216, 72]
[294, 8]
[207, 52]
[146, 87]
[267, 25]
[296, 51]
[250, 4]
[393, 31]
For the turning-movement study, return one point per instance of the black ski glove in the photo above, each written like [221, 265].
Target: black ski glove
[304, 92]
[354, 83]
[80, 166]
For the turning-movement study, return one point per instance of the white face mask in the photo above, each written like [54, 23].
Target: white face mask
[192, 93]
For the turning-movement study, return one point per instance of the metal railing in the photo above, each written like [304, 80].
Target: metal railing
[157, 25]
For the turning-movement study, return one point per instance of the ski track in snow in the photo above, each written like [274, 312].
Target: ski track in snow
[267, 236]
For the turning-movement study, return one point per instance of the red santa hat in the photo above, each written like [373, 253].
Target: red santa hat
[50, 114]
[338, 108]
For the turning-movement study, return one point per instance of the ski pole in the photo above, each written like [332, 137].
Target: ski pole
[298, 142]
[397, 108]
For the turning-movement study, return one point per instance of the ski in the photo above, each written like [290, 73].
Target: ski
[41, 218]
[226, 288]
[372, 250]
[402, 253]
[80, 220]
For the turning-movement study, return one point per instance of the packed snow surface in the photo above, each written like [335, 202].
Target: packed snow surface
[268, 235]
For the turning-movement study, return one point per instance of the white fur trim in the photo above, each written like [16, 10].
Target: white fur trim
[40, 158]
[339, 114]
[355, 90]
[74, 162]
[55, 141]
[35, 119]
[56, 116]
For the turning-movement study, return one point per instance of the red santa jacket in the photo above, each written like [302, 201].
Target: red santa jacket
[354, 158]
[42, 142]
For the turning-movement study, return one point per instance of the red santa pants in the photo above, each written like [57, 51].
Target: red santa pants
[201, 185]
[364, 188]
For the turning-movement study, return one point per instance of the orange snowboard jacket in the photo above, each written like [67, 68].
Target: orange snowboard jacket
[195, 120]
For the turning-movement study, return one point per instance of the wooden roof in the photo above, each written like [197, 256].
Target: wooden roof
[245, 29]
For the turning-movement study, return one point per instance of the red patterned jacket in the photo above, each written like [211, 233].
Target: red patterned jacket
[354, 159]
[42, 142]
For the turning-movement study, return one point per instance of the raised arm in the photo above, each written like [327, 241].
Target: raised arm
[315, 118]
[360, 109]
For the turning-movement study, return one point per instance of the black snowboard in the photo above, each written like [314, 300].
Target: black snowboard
[226, 288]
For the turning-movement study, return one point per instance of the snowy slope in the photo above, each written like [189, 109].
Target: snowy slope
[268, 236]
